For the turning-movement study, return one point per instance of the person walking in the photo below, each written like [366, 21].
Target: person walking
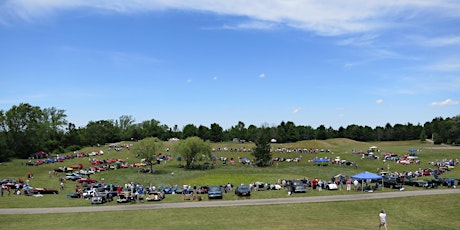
[382, 219]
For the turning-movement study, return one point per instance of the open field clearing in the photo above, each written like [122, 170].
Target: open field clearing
[420, 212]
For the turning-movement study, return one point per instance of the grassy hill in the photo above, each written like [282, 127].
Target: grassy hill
[223, 174]
[404, 213]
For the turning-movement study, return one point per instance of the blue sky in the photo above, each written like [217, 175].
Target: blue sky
[200, 62]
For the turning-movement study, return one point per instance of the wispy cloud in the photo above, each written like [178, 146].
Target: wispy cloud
[446, 65]
[364, 40]
[258, 25]
[262, 75]
[445, 103]
[332, 17]
[296, 110]
[379, 101]
[441, 41]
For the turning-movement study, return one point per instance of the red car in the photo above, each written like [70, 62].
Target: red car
[44, 191]
[87, 180]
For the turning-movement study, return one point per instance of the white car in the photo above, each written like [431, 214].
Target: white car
[73, 176]
[87, 171]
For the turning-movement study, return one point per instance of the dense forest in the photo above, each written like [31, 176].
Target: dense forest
[26, 129]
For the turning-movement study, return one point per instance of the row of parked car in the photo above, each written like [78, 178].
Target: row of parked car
[398, 182]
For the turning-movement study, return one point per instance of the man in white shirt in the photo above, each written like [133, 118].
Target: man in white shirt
[382, 219]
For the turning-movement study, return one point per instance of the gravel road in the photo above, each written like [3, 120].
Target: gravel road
[218, 203]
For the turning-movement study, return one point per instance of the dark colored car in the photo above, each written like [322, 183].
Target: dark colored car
[214, 192]
[243, 190]
[392, 182]
[297, 186]
[416, 183]
[43, 191]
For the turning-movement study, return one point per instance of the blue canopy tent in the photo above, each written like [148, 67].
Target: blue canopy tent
[367, 176]
[321, 161]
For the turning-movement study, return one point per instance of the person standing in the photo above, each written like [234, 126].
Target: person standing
[355, 184]
[382, 219]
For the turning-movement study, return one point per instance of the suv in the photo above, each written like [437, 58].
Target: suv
[392, 182]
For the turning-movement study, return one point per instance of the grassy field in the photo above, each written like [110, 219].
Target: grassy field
[426, 212]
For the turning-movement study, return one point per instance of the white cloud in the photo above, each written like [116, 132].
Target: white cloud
[442, 41]
[296, 110]
[214, 78]
[262, 75]
[446, 65]
[258, 25]
[445, 102]
[379, 101]
[189, 81]
[364, 40]
[332, 17]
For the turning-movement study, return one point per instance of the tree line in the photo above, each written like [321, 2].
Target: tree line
[26, 129]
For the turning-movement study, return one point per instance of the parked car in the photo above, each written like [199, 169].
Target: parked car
[87, 171]
[416, 183]
[73, 176]
[298, 187]
[243, 190]
[125, 197]
[440, 182]
[332, 186]
[392, 182]
[43, 191]
[214, 192]
[74, 195]
[87, 180]
[155, 196]
[100, 199]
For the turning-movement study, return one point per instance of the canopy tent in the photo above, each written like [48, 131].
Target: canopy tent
[321, 161]
[412, 150]
[364, 176]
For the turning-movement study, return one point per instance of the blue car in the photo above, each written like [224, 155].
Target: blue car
[214, 192]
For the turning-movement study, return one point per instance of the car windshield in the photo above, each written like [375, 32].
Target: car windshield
[214, 188]
[243, 188]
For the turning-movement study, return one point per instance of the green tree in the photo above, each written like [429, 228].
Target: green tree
[238, 131]
[216, 133]
[189, 131]
[437, 139]
[423, 136]
[321, 133]
[204, 132]
[148, 148]
[125, 123]
[101, 132]
[190, 149]
[262, 152]
[25, 131]
[151, 128]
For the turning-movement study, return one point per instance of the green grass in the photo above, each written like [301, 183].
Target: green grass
[426, 212]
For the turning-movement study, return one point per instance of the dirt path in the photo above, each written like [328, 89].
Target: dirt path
[245, 202]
